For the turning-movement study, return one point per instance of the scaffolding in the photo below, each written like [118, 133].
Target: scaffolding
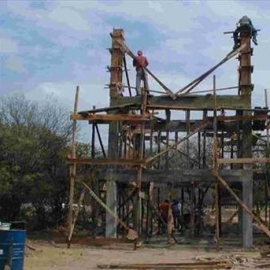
[149, 158]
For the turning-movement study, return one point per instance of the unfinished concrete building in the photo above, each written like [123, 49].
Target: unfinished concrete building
[151, 154]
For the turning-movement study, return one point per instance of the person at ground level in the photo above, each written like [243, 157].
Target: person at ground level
[140, 62]
[176, 212]
[164, 210]
[243, 23]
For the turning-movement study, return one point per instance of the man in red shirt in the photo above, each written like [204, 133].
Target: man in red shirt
[140, 62]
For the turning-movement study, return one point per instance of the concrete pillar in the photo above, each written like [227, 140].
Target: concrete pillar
[113, 143]
[111, 201]
[247, 188]
[240, 219]
[245, 88]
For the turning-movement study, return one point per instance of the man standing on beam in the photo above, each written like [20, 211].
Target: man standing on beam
[140, 62]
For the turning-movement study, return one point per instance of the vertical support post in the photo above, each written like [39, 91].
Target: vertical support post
[188, 141]
[192, 207]
[113, 144]
[199, 149]
[215, 166]
[93, 138]
[267, 165]
[72, 168]
[245, 88]
[168, 119]
[138, 220]
[204, 142]
[159, 137]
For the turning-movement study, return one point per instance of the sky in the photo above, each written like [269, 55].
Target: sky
[50, 47]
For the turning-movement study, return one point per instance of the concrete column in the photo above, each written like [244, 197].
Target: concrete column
[247, 188]
[111, 201]
[113, 142]
[245, 88]
[240, 219]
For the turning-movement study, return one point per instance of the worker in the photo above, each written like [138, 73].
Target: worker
[140, 62]
[243, 23]
[176, 212]
[164, 209]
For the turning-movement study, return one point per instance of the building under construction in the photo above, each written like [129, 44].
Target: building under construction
[153, 155]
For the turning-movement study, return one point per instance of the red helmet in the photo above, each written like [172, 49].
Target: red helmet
[139, 52]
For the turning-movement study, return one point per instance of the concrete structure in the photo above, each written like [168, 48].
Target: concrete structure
[146, 153]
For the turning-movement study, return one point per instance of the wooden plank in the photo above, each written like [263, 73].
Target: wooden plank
[132, 234]
[183, 176]
[108, 109]
[242, 118]
[110, 117]
[230, 102]
[106, 161]
[258, 221]
[195, 82]
[263, 265]
[75, 216]
[242, 160]
[72, 167]
[202, 125]
[183, 265]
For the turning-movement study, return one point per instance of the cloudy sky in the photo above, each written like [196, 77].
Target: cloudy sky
[49, 47]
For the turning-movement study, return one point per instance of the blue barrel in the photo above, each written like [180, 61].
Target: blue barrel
[12, 244]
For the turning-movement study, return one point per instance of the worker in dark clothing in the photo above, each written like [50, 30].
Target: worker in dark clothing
[140, 62]
[244, 23]
[176, 212]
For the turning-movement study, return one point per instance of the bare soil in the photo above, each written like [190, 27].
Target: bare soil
[48, 255]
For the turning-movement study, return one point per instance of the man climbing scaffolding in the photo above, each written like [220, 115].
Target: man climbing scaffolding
[244, 23]
[140, 62]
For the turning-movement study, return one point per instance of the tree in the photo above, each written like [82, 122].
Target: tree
[34, 141]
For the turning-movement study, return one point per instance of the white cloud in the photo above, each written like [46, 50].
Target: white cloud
[91, 94]
[190, 34]
[64, 21]
[15, 63]
[8, 45]
[70, 18]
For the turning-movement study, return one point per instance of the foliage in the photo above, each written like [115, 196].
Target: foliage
[33, 148]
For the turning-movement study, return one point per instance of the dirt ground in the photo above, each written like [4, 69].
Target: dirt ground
[47, 255]
[86, 253]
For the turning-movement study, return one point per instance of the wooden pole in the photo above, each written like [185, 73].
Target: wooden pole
[132, 235]
[139, 173]
[174, 146]
[215, 166]
[195, 82]
[75, 216]
[72, 168]
[267, 166]
[259, 224]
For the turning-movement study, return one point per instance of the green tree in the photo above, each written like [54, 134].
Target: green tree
[34, 141]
